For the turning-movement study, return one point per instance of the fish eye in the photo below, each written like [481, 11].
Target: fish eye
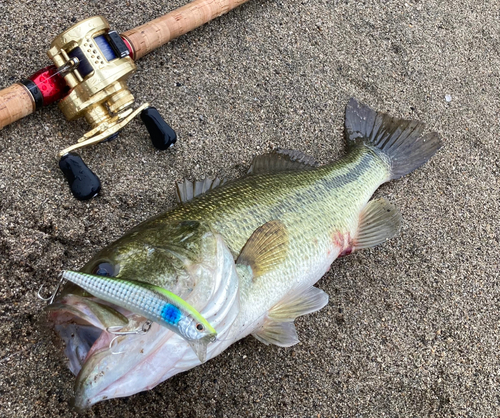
[104, 269]
[200, 327]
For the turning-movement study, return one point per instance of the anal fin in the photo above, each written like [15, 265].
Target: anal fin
[378, 222]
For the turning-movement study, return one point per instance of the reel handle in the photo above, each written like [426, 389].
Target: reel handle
[84, 184]
[162, 135]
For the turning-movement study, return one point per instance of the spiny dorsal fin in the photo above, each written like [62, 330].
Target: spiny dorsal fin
[299, 302]
[187, 190]
[378, 222]
[282, 160]
[282, 334]
[266, 248]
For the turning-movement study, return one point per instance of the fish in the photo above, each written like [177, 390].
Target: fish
[152, 302]
[244, 253]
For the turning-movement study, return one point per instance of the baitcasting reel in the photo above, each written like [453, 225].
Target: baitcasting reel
[92, 66]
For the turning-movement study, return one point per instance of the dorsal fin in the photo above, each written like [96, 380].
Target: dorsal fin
[265, 248]
[378, 222]
[187, 190]
[282, 160]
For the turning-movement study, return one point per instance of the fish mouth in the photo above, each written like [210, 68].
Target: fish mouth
[83, 325]
[110, 365]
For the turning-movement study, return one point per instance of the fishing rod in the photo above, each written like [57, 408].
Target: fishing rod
[88, 77]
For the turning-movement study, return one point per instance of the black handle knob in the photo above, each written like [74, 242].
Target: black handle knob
[83, 182]
[162, 135]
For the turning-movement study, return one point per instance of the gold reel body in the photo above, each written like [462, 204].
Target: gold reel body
[96, 65]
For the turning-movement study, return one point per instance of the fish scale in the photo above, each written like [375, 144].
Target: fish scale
[329, 193]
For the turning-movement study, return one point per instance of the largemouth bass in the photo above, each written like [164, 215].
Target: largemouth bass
[245, 254]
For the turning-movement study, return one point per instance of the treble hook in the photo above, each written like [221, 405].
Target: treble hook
[145, 327]
[53, 296]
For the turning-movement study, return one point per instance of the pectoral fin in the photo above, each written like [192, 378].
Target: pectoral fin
[378, 222]
[265, 249]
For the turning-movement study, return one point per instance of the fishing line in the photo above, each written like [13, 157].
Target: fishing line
[222, 307]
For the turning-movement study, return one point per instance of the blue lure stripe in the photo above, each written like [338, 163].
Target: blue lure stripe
[171, 314]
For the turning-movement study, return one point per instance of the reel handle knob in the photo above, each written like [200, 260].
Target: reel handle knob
[162, 135]
[84, 184]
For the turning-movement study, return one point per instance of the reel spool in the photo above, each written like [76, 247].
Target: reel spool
[96, 64]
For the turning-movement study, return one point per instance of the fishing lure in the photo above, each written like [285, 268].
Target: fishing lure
[154, 303]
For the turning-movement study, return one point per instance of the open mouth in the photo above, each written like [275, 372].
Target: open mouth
[110, 364]
[113, 355]
[82, 324]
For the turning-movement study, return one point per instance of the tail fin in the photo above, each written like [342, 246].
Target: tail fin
[398, 140]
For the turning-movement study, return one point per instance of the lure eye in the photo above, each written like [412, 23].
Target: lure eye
[200, 327]
[104, 269]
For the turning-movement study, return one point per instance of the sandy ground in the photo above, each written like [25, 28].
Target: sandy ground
[412, 327]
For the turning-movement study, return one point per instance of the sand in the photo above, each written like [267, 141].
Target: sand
[412, 326]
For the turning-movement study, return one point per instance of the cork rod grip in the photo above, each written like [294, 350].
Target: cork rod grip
[15, 103]
[158, 32]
